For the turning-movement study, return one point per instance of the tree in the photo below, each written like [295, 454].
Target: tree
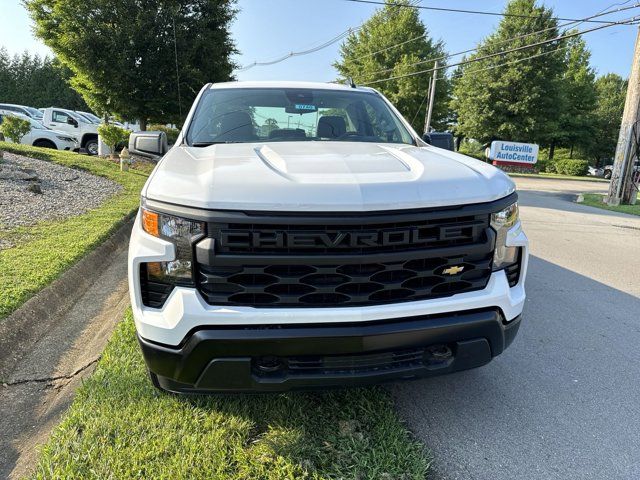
[122, 53]
[497, 98]
[578, 96]
[112, 135]
[30, 80]
[14, 128]
[611, 91]
[370, 54]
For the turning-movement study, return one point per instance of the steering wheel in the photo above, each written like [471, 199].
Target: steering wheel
[347, 135]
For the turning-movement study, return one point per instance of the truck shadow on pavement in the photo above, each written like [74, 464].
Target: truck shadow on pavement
[566, 202]
[562, 402]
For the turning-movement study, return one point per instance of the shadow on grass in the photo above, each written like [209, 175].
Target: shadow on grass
[121, 427]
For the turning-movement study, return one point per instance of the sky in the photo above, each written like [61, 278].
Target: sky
[268, 29]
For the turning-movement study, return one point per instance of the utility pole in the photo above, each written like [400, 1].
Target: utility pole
[621, 189]
[432, 94]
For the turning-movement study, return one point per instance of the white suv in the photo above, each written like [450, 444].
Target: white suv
[41, 136]
[303, 235]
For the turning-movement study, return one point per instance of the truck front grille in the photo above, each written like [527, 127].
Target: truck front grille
[317, 260]
[343, 284]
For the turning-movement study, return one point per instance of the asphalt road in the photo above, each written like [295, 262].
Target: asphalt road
[563, 402]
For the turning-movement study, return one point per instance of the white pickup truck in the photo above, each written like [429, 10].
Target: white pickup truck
[75, 125]
[303, 235]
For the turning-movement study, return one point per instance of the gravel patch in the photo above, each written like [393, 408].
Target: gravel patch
[33, 190]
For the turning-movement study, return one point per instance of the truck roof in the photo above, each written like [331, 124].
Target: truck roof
[290, 84]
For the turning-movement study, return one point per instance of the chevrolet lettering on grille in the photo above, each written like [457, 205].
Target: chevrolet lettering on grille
[341, 239]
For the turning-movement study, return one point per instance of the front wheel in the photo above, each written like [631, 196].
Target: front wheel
[607, 174]
[45, 144]
[92, 147]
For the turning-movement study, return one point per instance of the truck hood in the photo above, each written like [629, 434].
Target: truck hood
[322, 177]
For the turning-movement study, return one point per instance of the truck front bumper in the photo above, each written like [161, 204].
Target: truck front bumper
[266, 358]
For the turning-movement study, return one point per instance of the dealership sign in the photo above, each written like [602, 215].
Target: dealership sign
[513, 152]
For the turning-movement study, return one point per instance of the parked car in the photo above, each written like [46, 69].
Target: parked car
[41, 136]
[97, 120]
[339, 250]
[608, 169]
[22, 109]
[596, 172]
[91, 118]
[68, 121]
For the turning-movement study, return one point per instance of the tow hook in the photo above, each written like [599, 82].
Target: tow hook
[439, 353]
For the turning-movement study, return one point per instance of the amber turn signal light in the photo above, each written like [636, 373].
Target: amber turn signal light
[150, 222]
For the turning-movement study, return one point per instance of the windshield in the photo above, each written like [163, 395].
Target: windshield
[36, 124]
[90, 116]
[242, 115]
[34, 112]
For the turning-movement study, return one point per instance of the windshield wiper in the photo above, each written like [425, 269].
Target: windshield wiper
[207, 144]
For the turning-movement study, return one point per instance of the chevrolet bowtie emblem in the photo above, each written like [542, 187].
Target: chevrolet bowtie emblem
[453, 270]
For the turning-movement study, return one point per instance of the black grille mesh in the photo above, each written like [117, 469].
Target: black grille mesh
[348, 284]
[349, 364]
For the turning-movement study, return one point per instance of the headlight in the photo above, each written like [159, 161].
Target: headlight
[66, 139]
[183, 233]
[501, 222]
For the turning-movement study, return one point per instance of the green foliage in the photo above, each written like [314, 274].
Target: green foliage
[37, 82]
[611, 90]
[389, 26]
[172, 133]
[597, 200]
[112, 135]
[122, 53]
[14, 128]
[42, 252]
[571, 167]
[119, 427]
[578, 98]
[519, 101]
[472, 148]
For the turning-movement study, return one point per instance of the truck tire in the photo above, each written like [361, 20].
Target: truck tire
[91, 146]
[607, 174]
[45, 144]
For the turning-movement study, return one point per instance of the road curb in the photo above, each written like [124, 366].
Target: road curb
[21, 330]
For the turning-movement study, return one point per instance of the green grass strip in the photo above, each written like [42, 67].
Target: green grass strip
[120, 427]
[595, 200]
[43, 251]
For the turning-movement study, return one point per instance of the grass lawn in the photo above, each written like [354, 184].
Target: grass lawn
[595, 200]
[120, 427]
[42, 252]
[559, 177]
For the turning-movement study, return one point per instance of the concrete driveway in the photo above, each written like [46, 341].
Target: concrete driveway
[563, 402]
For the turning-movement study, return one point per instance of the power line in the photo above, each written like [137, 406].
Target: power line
[517, 49]
[512, 62]
[333, 40]
[476, 12]
[491, 67]
[444, 57]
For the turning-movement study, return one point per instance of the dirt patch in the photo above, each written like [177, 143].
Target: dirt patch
[51, 343]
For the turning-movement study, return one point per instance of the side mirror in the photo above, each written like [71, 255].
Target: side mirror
[427, 138]
[148, 144]
[72, 121]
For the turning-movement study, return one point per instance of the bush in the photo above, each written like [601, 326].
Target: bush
[14, 128]
[112, 135]
[572, 167]
[172, 133]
